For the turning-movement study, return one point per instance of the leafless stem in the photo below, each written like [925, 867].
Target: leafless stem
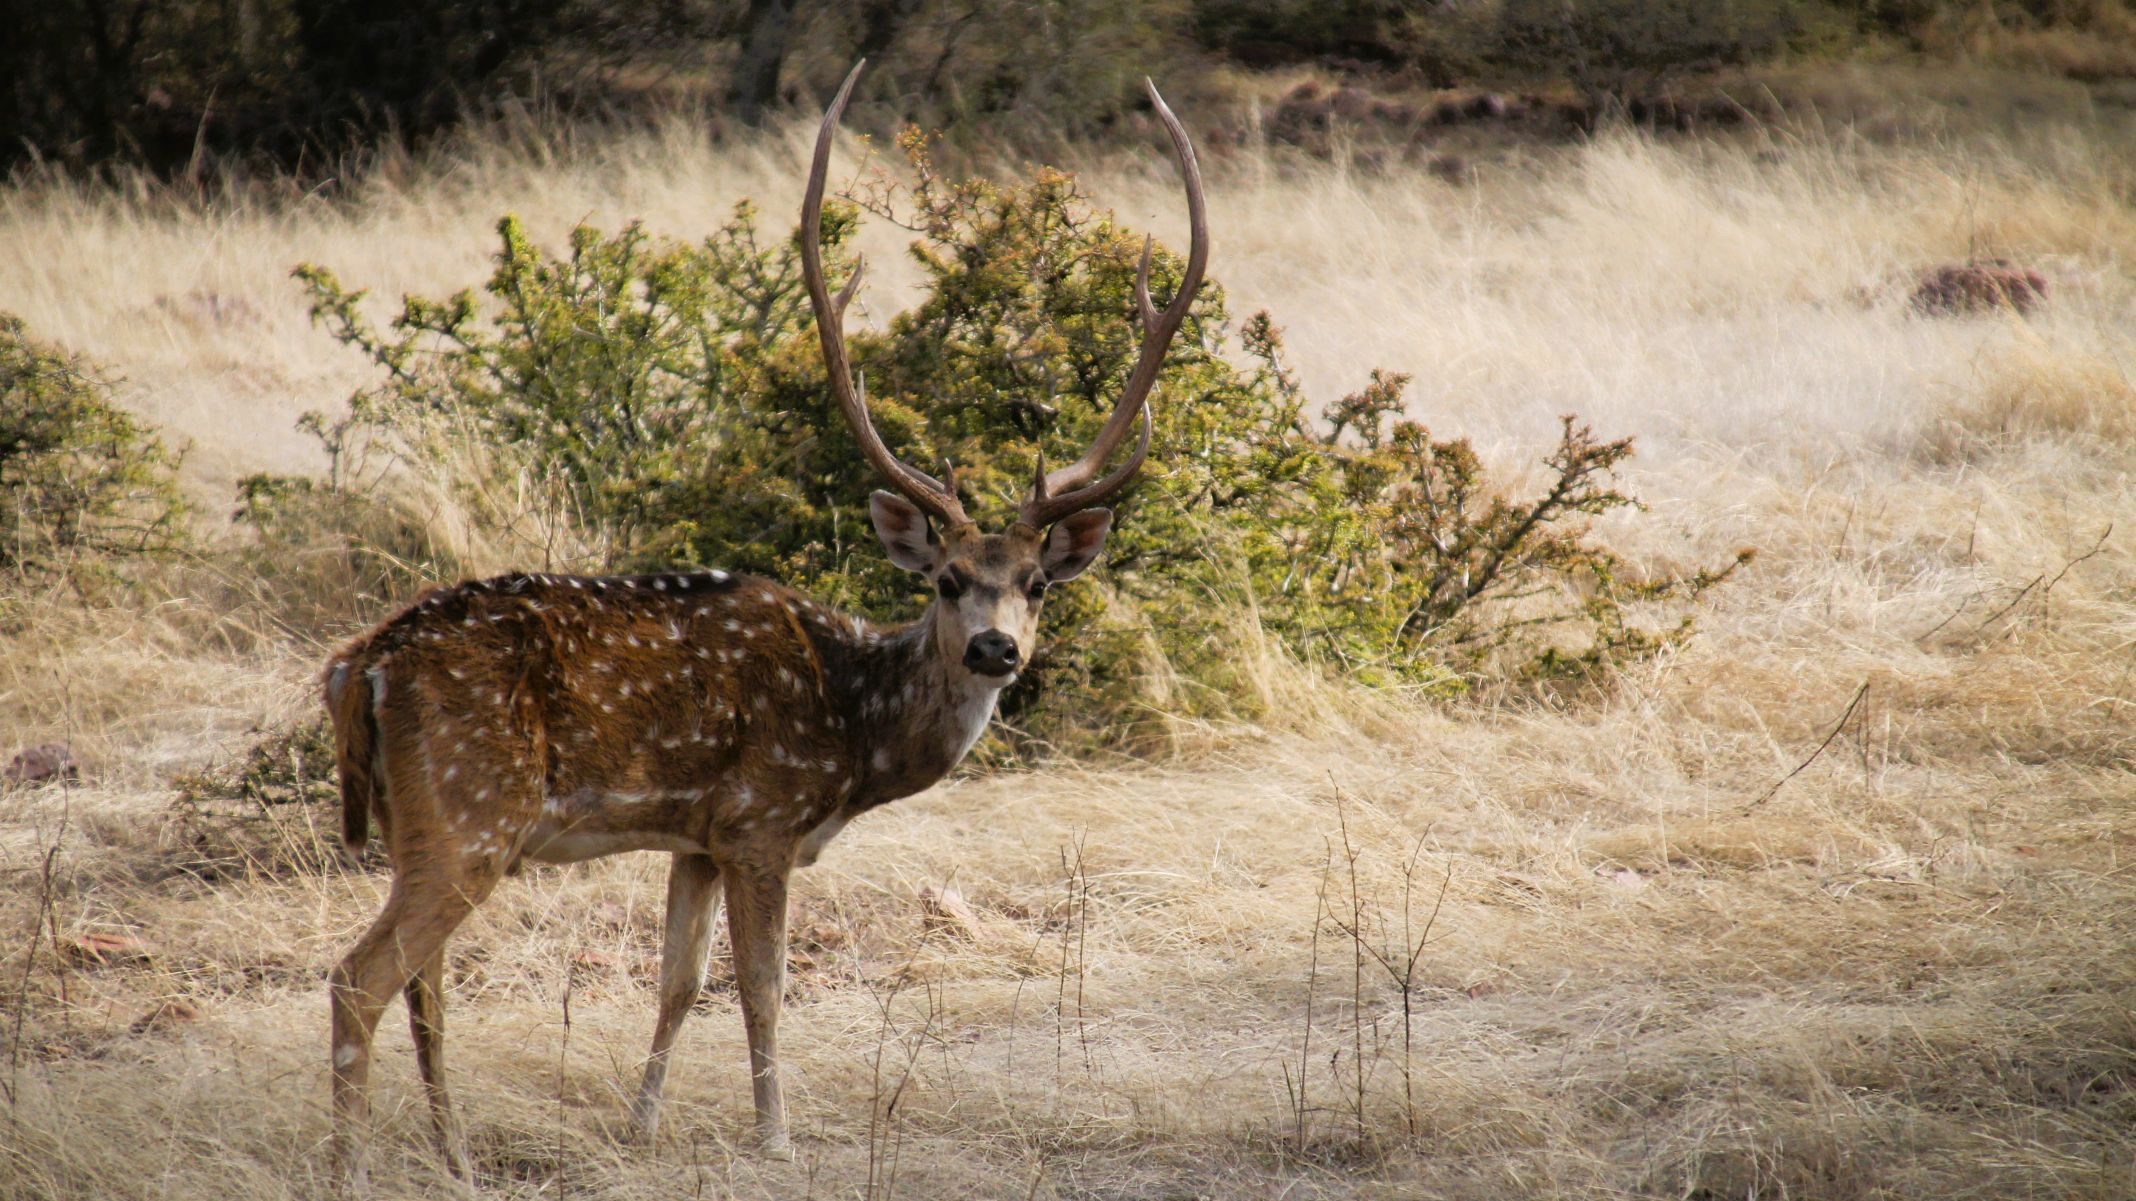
[1299, 1093]
[1837, 726]
[563, 1053]
[1358, 944]
[45, 921]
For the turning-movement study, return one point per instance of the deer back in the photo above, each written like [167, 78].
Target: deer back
[563, 717]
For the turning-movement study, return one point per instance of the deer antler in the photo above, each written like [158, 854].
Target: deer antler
[1054, 496]
[930, 494]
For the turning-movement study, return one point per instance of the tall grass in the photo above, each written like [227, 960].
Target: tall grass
[1904, 971]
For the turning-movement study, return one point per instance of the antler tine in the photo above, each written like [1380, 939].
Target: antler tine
[923, 489]
[1041, 508]
[1065, 490]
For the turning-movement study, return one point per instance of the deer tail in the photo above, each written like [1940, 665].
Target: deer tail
[356, 744]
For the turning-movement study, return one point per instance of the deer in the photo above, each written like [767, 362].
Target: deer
[716, 716]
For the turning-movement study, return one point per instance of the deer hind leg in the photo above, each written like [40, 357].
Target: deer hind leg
[756, 923]
[692, 901]
[426, 1020]
[420, 914]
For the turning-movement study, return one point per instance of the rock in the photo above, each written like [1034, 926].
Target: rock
[49, 761]
[1978, 287]
[1490, 106]
[1395, 113]
[1351, 103]
[206, 309]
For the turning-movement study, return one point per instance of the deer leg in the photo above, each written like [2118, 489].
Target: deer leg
[756, 923]
[692, 900]
[426, 1020]
[420, 913]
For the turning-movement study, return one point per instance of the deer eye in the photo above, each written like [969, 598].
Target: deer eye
[1037, 589]
[948, 588]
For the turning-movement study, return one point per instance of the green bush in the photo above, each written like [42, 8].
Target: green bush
[80, 478]
[674, 394]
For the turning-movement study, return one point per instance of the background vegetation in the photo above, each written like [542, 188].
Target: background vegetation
[1828, 898]
[80, 479]
[198, 87]
[672, 399]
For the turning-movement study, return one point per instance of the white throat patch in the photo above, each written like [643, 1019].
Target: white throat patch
[968, 718]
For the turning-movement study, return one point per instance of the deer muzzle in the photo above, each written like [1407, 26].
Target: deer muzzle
[991, 653]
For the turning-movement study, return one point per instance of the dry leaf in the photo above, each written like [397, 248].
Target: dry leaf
[105, 950]
[164, 1015]
[945, 911]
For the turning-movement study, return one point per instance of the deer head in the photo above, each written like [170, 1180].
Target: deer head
[990, 586]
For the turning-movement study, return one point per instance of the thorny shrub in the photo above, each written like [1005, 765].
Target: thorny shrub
[81, 479]
[674, 395]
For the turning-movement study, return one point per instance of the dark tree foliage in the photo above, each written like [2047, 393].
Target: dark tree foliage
[414, 66]
[1268, 32]
[188, 87]
[178, 86]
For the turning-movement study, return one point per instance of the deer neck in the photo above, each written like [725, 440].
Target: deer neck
[916, 711]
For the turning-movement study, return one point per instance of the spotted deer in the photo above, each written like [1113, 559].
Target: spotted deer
[719, 717]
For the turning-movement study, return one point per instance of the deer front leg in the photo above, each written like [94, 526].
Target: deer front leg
[692, 899]
[756, 923]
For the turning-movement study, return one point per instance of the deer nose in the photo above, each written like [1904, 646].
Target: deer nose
[991, 653]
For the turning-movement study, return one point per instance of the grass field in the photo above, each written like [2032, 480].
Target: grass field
[1835, 900]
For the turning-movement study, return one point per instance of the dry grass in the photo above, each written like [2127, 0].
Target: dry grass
[1904, 972]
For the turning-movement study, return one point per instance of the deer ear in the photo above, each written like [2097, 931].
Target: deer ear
[1074, 542]
[904, 531]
